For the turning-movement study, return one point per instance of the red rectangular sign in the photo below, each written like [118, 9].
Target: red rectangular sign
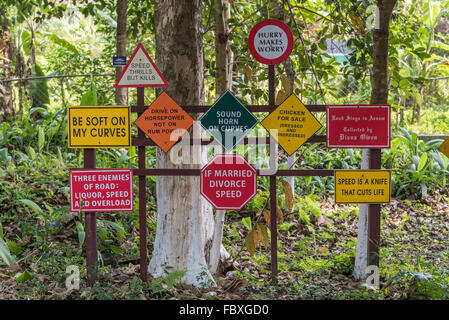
[358, 126]
[102, 190]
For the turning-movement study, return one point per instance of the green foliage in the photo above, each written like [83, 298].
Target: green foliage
[418, 166]
[5, 253]
[307, 209]
[39, 88]
[163, 284]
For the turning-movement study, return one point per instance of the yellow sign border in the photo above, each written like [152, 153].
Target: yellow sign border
[276, 109]
[361, 170]
[79, 146]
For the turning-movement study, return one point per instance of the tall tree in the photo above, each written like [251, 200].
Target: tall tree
[7, 56]
[224, 61]
[223, 52]
[185, 221]
[379, 95]
[122, 6]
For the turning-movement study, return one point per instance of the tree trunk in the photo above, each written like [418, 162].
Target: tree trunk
[379, 95]
[224, 62]
[185, 221]
[122, 6]
[223, 52]
[7, 53]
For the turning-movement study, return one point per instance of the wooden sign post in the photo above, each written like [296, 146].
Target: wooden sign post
[141, 72]
[271, 42]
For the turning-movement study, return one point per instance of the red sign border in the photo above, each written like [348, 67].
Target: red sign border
[279, 24]
[358, 106]
[130, 171]
[116, 85]
[210, 162]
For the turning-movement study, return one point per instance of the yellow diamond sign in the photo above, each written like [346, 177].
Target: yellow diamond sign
[444, 148]
[291, 124]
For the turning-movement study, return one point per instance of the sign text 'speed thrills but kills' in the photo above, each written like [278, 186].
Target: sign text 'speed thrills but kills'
[140, 71]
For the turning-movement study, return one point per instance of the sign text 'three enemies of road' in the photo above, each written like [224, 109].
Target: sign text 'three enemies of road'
[103, 190]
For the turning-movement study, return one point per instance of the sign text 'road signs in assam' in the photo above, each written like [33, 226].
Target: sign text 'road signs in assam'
[140, 71]
[362, 186]
[104, 190]
[270, 41]
[291, 124]
[164, 122]
[228, 181]
[358, 126]
[99, 126]
[228, 120]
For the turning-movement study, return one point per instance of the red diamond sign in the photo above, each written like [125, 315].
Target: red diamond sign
[228, 182]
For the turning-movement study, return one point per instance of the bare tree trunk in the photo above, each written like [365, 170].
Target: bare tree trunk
[223, 52]
[379, 95]
[185, 221]
[6, 102]
[122, 6]
[224, 61]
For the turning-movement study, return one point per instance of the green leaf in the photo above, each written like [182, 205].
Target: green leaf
[423, 189]
[5, 253]
[14, 247]
[61, 42]
[4, 156]
[422, 161]
[89, 98]
[41, 139]
[26, 42]
[247, 222]
[30, 204]
[24, 277]
[32, 153]
[81, 233]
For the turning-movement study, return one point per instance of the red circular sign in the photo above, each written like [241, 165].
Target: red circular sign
[228, 182]
[270, 41]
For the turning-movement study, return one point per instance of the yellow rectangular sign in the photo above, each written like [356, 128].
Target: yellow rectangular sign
[99, 126]
[362, 186]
